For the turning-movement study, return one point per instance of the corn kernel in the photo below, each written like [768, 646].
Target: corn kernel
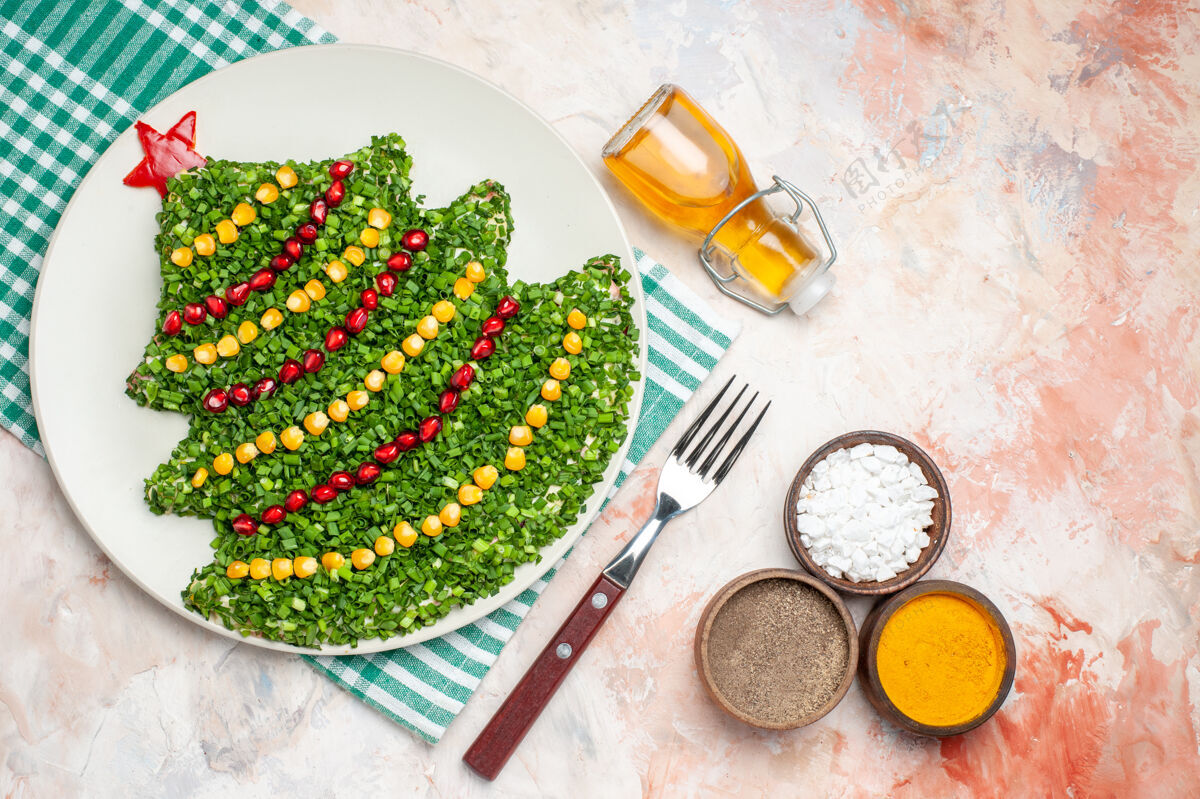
[298, 302]
[357, 400]
[485, 476]
[338, 411]
[199, 477]
[560, 369]
[205, 244]
[374, 380]
[332, 561]
[304, 567]
[520, 436]
[260, 569]
[265, 441]
[427, 328]
[385, 545]
[413, 345]
[237, 570]
[572, 343]
[247, 331]
[246, 452]
[377, 217]
[369, 237]
[177, 363]
[362, 558]
[463, 288]
[451, 515]
[432, 526]
[223, 464]
[337, 271]
[267, 193]
[315, 289]
[292, 438]
[228, 346]
[181, 256]
[514, 459]
[536, 416]
[551, 390]
[227, 232]
[286, 177]
[281, 568]
[271, 319]
[354, 255]
[393, 362]
[475, 272]
[205, 354]
[404, 533]
[316, 422]
[243, 214]
[576, 319]
[443, 311]
[469, 494]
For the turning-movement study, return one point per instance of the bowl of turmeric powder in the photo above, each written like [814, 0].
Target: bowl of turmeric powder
[936, 659]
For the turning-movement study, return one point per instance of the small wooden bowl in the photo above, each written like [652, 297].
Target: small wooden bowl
[868, 673]
[704, 629]
[938, 532]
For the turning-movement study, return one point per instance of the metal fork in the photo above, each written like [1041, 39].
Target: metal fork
[685, 481]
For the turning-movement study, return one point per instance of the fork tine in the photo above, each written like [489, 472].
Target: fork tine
[712, 431]
[737, 449]
[690, 433]
[712, 456]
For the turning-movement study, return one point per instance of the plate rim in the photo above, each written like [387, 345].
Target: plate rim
[484, 606]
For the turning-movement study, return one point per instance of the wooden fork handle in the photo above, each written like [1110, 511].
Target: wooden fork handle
[520, 710]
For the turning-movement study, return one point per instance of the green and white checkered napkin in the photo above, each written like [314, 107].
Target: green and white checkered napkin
[73, 75]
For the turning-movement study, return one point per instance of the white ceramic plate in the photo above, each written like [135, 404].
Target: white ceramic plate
[95, 305]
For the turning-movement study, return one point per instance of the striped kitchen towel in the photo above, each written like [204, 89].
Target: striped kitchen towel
[425, 686]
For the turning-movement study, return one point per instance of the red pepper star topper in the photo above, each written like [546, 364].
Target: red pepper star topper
[166, 154]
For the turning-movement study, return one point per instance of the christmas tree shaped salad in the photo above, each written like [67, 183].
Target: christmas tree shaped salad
[383, 427]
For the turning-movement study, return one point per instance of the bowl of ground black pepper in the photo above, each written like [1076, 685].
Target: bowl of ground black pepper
[776, 649]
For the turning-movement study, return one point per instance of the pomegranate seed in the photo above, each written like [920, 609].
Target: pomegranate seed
[266, 386]
[174, 323]
[415, 240]
[216, 400]
[262, 280]
[335, 193]
[369, 299]
[356, 321]
[482, 348]
[241, 394]
[313, 360]
[294, 248]
[340, 169]
[323, 493]
[367, 473]
[318, 211]
[216, 306]
[429, 428]
[462, 377]
[386, 453]
[290, 372]
[407, 441]
[507, 308]
[274, 514]
[238, 293]
[386, 283]
[307, 233]
[194, 313]
[400, 262]
[493, 326]
[245, 525]
[335, 339]
[296, 500]
[448, 401]
[341, 481]
[281, 262]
